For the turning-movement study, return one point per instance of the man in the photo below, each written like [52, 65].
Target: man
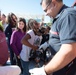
[62, 39]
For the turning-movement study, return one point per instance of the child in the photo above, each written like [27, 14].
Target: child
[16, 37]
[28, 42]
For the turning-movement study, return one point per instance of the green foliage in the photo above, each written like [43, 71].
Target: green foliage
[1, 27]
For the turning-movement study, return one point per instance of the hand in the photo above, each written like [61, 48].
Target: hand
[35, 47]
[37, 71]
[44, 46]
[18, 57]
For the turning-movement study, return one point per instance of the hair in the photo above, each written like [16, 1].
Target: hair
[4, 15]
[48, 27]
[42, 29]
[10, 20]
[31, 23]
[48, 1]
[24, 21]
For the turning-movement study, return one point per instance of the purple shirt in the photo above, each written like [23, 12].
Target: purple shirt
[15, 41]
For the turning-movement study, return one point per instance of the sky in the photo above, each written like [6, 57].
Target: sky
[32, 7]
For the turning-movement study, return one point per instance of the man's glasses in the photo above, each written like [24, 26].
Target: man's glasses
[47, 6]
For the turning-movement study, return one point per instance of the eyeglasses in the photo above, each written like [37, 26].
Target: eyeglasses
[47, 6]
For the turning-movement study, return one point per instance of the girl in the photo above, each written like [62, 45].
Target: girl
[29, 41]
[16, 37]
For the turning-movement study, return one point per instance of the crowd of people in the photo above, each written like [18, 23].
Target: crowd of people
[19, 38]
[4, 55]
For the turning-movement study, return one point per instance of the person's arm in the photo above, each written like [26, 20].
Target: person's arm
[13, 41]
[6, 31]
[25, 42]
[63, 57]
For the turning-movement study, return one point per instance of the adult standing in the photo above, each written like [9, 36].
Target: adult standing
[12, 23]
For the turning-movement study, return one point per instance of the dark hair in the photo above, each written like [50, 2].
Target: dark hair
[42, 29]
[24, 21]
[4, 15]
[10, 20]
[48, 27]
[48, 1]
[31, 22]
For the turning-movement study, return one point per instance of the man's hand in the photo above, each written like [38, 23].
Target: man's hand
[44, 46]
[37, 71]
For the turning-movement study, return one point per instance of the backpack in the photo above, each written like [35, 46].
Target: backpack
[3, 49]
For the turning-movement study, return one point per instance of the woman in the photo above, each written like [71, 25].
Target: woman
[12, 23]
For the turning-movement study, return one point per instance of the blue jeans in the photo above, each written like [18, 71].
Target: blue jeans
[25, 66]
[12, 55]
